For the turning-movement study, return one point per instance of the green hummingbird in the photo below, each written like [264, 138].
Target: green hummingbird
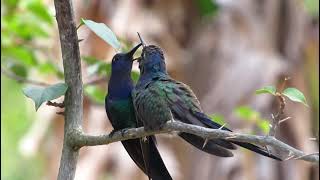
[158, 98]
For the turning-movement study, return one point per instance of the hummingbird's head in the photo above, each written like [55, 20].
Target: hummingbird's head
[152, 59]
[122, 62]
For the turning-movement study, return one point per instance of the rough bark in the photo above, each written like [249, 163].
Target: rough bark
[73, 97]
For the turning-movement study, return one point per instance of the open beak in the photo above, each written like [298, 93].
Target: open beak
[133, 50]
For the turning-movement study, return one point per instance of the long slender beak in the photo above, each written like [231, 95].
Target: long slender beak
[133, 50]
[143, 44]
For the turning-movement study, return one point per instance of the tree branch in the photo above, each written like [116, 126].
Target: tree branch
[73, 97]
[21, 79]
[81, 139]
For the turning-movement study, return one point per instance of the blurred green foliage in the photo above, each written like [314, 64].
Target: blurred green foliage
[252, 116]
[218, 118]
[207, 7]
[15, 121]
[23, 23]
[312, 7]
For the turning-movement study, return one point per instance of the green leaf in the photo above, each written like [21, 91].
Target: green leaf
[295, 95]
[103, 32]
[94, 93]
[267, 89]
[218, 118]
[40, 94]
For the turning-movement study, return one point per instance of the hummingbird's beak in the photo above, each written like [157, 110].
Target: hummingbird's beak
[137, 59]
[133, 50]
[142, 42]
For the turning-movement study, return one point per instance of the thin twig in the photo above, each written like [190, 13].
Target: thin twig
[21, 79]
[55, 104]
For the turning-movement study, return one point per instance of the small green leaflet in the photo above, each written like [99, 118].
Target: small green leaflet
[295, 95]
[103, 32]
[41, 94]
[267, 89]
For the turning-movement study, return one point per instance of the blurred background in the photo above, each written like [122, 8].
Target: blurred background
[223, 49]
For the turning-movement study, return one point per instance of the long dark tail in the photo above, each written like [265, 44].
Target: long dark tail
[210, 147]
[155, 165]
[207, 121]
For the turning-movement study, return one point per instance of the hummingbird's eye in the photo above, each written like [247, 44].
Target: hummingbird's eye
[114, 59]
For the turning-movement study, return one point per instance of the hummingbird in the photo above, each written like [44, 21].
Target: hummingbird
[158, 98]
[120, 111]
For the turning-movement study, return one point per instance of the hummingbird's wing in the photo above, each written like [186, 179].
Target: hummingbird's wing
[186, 107]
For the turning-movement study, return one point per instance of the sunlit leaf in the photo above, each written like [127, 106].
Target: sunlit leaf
[295, 95]
[103, 32]
[267, 89]
[40, 94]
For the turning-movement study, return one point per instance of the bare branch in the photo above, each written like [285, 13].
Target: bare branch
[55, 104]
[21, 79]
[80, 139]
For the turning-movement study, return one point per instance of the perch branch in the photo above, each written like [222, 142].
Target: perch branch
[81, 139]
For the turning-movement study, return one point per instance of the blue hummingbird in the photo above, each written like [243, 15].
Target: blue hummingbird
[120, 111]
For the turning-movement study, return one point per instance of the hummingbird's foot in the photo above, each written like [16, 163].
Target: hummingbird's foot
[124, 131]
[144, 139]
[112, 133]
